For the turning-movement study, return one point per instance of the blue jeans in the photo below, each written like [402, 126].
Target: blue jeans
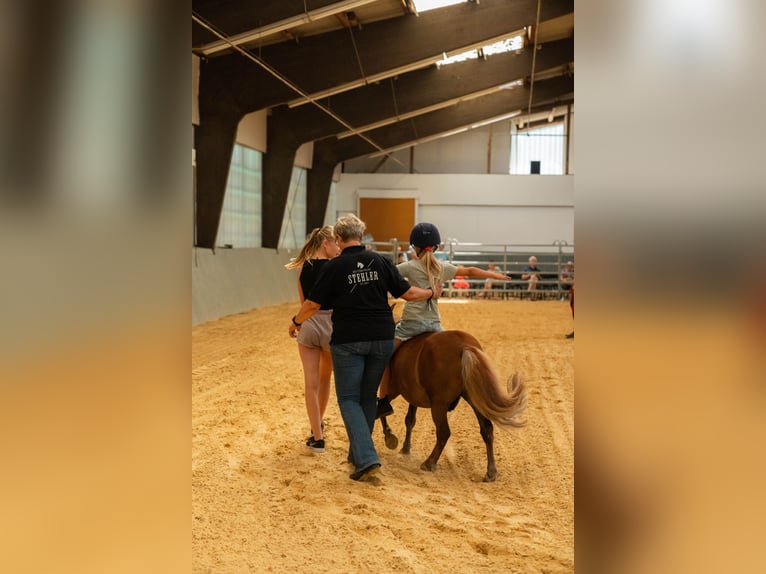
[358, 368]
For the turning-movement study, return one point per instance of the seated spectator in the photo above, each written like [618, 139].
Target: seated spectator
[532, 276]
[566, 278]
[571, 306]
[460, 285]
[488, 283]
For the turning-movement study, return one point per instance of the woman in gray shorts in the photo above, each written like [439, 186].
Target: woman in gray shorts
[314, 336]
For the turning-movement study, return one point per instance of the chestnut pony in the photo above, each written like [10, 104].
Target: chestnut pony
[434, 370]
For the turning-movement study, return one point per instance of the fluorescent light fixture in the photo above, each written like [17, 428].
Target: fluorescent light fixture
[285, 24]
[557, 111]
[510, 85]
[396, 71]
[462, 57]
[496, 119]
[425, 5]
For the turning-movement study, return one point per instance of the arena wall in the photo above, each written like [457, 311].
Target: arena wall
[495, 209]
[232, 281]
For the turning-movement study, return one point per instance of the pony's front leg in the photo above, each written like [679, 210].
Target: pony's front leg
[439, 415]
[409, 423]
[391, 441]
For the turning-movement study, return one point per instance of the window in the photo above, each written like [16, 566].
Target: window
[293, 233]
[538, 150]
[240, 224]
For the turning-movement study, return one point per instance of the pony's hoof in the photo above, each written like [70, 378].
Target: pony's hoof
[391, 441]
[428, 467]
[490, 478]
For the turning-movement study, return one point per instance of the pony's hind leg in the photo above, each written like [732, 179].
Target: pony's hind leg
[409, 423]
[391, 441]
[488, 434]
[439, 415]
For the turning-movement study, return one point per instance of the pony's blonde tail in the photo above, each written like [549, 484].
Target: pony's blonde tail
[483, 386]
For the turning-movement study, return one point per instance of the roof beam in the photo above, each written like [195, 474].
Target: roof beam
[263, 19]
[418, 92]
[326, 159]
[232, 86]
[385, 48]
[463, 115]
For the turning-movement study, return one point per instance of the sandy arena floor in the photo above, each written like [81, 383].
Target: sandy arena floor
[262, 502]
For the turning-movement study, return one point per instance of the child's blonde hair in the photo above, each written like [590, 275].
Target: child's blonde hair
[312, 245]
[431, 263]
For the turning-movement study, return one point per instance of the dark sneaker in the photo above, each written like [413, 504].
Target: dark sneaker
[384, 408]
[315, 445]
[570, 335]
[311, 436]
[366, 472]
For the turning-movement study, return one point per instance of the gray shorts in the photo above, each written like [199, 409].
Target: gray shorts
[316, 332]
[411, 328]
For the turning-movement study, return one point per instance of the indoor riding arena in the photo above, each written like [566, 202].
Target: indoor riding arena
[460, 114]
[262, 502]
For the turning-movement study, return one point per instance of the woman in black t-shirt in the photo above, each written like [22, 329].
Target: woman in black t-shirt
[314, 338]
[356, 285]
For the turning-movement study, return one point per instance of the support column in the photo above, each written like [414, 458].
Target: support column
[216, 135]
[277, 171]
[319, 181]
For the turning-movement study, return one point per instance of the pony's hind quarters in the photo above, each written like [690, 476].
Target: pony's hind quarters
[435, 370]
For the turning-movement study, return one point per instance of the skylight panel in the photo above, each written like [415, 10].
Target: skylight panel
[507, 45]
[462, 57]
[425, 5]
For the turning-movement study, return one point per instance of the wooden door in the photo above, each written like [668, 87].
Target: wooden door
[388, 217]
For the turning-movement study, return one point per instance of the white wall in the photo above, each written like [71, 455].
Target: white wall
[251, 131]
[466, 152]
[502, 209]
[304, 156]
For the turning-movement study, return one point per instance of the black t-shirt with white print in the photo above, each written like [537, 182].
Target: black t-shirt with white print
[355, 285]
[309, 274]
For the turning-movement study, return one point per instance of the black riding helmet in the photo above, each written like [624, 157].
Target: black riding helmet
[425, 235]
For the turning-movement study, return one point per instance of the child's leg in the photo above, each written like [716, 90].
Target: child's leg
[385, 392]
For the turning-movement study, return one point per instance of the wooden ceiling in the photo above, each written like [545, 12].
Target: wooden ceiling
[367, 68]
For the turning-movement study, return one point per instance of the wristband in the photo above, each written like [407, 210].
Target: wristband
[296, 322]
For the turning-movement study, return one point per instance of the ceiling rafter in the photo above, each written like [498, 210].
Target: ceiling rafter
[287, 23]
[394, 43]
